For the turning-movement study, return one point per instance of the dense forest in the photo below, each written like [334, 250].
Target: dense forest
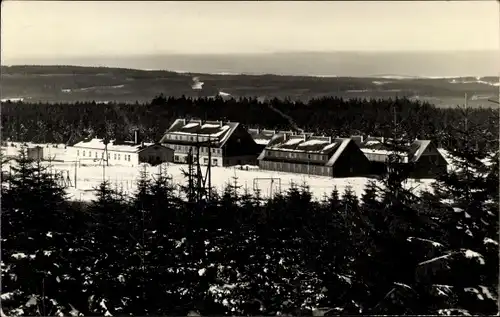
[69, 123]
[389, 252]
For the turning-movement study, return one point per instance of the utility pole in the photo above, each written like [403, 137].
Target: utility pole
[76, 168]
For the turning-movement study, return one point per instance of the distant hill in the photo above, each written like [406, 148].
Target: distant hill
[353, 64]
[57, 83]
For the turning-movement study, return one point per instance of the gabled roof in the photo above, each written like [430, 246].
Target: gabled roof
[215, 131]
[302, 143]
[98, 144]
[262, 137]
[312, 145]
[374, 145]
[416, 149]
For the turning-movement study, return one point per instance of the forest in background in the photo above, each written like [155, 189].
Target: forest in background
[332, 116]
[389, 252]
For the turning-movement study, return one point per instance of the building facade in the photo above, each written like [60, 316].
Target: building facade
[314, 155]
[94, 151]
[421, 157]
[223, 143]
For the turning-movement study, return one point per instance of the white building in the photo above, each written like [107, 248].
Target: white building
[123, 154]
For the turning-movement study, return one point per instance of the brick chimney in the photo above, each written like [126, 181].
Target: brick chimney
[136, 137]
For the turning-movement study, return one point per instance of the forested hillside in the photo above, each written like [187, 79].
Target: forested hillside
[69, 123]
[103, 84]
[390, 252]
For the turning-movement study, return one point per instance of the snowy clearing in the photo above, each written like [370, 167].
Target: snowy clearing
[250, 178]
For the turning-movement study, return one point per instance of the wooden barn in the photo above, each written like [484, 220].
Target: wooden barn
[231, 144]
[314, 155]
[422, 157]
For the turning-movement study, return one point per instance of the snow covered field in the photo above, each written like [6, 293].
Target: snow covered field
[90, 175]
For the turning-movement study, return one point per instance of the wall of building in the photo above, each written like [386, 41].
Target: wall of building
[35, 153]
[156, 154]
[351, 162]
[240, 160]
[96, 156]
[429, 166]
[181, 158]
[287, 167]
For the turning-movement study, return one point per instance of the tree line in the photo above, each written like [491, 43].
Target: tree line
[390, 251]
[333, 116]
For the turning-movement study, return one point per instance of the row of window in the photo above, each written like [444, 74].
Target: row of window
[198, 138]
[297, 155]
[185, 149]
[183, 159]
[115, 156]
[295, 168]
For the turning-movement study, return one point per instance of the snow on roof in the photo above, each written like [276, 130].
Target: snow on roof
[302, 143]
[339, 150]
[293, 141]
[191, 125]
[98, 144]
[262, 141]
[220, 131]
[313, 142]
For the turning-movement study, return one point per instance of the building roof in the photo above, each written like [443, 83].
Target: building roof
[263, 137]
[216, 131]
[374, 145]
[306, 143]
[98, 144]
[303, 143]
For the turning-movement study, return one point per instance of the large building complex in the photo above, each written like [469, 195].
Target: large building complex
[224, 143]
[316, 155]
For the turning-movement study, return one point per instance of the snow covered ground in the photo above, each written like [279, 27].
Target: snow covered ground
[90, 175]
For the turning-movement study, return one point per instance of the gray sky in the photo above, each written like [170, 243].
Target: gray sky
[72, 28]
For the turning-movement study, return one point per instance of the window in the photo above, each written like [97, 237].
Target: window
[205, 160]
[214, 162]
[96, 154]
[118, 156]
[191, 138]
[77, 152]
[83, 153]
[114, 156]
[90, 154]
[176, 158]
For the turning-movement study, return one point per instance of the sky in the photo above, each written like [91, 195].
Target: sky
[101, 28]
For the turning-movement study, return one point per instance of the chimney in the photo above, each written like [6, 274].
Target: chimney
[284, 137]
[329, 139]
[184, 121]
[136, 137]
[220, 123]
[305, 137]
[382, 139]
